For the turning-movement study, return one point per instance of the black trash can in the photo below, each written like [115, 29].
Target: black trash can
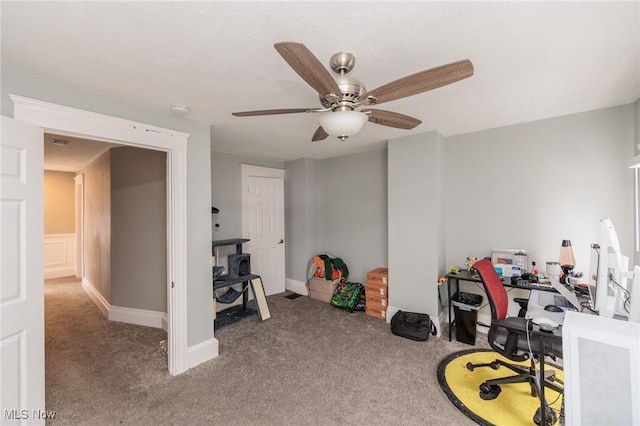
[465, 309]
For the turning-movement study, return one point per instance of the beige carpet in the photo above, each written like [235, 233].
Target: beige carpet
[311, 364]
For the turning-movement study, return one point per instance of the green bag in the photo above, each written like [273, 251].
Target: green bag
[346, 295]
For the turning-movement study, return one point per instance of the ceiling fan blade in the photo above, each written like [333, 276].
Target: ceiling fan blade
[271, 112]
[308, 67]
[391, 119]
[423, 81]
[319, 135]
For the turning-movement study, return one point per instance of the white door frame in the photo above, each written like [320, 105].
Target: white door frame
[89, 125]
[79, 210]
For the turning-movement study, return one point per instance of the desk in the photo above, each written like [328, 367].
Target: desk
[464, 275]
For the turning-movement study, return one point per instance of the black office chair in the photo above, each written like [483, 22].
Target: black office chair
[508, 337]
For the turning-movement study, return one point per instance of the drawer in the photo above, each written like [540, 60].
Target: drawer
[378, 276]
[377, 290]
[376, 312]
[377, 302]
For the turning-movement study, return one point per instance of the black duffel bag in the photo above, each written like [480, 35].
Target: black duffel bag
[412, 325]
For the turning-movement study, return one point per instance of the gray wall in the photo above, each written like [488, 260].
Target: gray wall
[225, 191]
[125, 227]
[138, 229]
[637, 150]
[301, 216]
[532, 185]
[524, 186]
[415, 222]
[199, 291]
[637, 125]
[97, 224]
[226, 195]
[337, 206]
[351, 201]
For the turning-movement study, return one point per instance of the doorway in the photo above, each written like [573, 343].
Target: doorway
[73, 122]
[263, 224]
[119, 195]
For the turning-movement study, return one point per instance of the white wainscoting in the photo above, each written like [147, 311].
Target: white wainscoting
[59, 255]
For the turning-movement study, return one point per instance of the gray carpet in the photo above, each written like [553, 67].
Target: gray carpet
[311, 364]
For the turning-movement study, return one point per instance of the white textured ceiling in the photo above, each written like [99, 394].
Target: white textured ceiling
[532, 60]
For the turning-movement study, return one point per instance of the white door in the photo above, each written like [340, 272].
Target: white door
[266, 231]
[22, 286]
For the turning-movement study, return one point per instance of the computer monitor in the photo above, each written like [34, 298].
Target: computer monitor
[611, 283]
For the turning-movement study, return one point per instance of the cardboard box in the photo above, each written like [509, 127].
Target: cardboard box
[377, 290]
[378, 276]
[376, 307]
[321, 289]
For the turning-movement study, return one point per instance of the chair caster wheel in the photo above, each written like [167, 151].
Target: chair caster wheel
[470, 366]
[489, 392]
[550, 417]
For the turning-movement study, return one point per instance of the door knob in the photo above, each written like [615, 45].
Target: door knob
[281, 241]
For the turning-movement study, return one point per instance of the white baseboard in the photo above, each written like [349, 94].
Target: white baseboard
[439, 324]
[126, 315]
[165, 323]
[138, 316]
[202, 352]
[95, 295]
[391, 311]
[296, 286]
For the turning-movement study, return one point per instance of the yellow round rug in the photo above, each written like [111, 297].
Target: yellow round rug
[513, 406]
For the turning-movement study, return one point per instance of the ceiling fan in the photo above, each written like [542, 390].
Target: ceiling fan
[343, 97]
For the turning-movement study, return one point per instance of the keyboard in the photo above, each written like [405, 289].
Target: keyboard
[529, 285]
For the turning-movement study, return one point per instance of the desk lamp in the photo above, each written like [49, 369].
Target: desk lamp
[567, 261]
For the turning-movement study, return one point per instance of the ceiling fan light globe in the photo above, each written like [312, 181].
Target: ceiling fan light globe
[342, 124]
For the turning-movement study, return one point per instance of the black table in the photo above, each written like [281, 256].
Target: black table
[464, 275]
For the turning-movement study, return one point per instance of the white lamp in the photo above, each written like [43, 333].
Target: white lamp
[343, 124]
